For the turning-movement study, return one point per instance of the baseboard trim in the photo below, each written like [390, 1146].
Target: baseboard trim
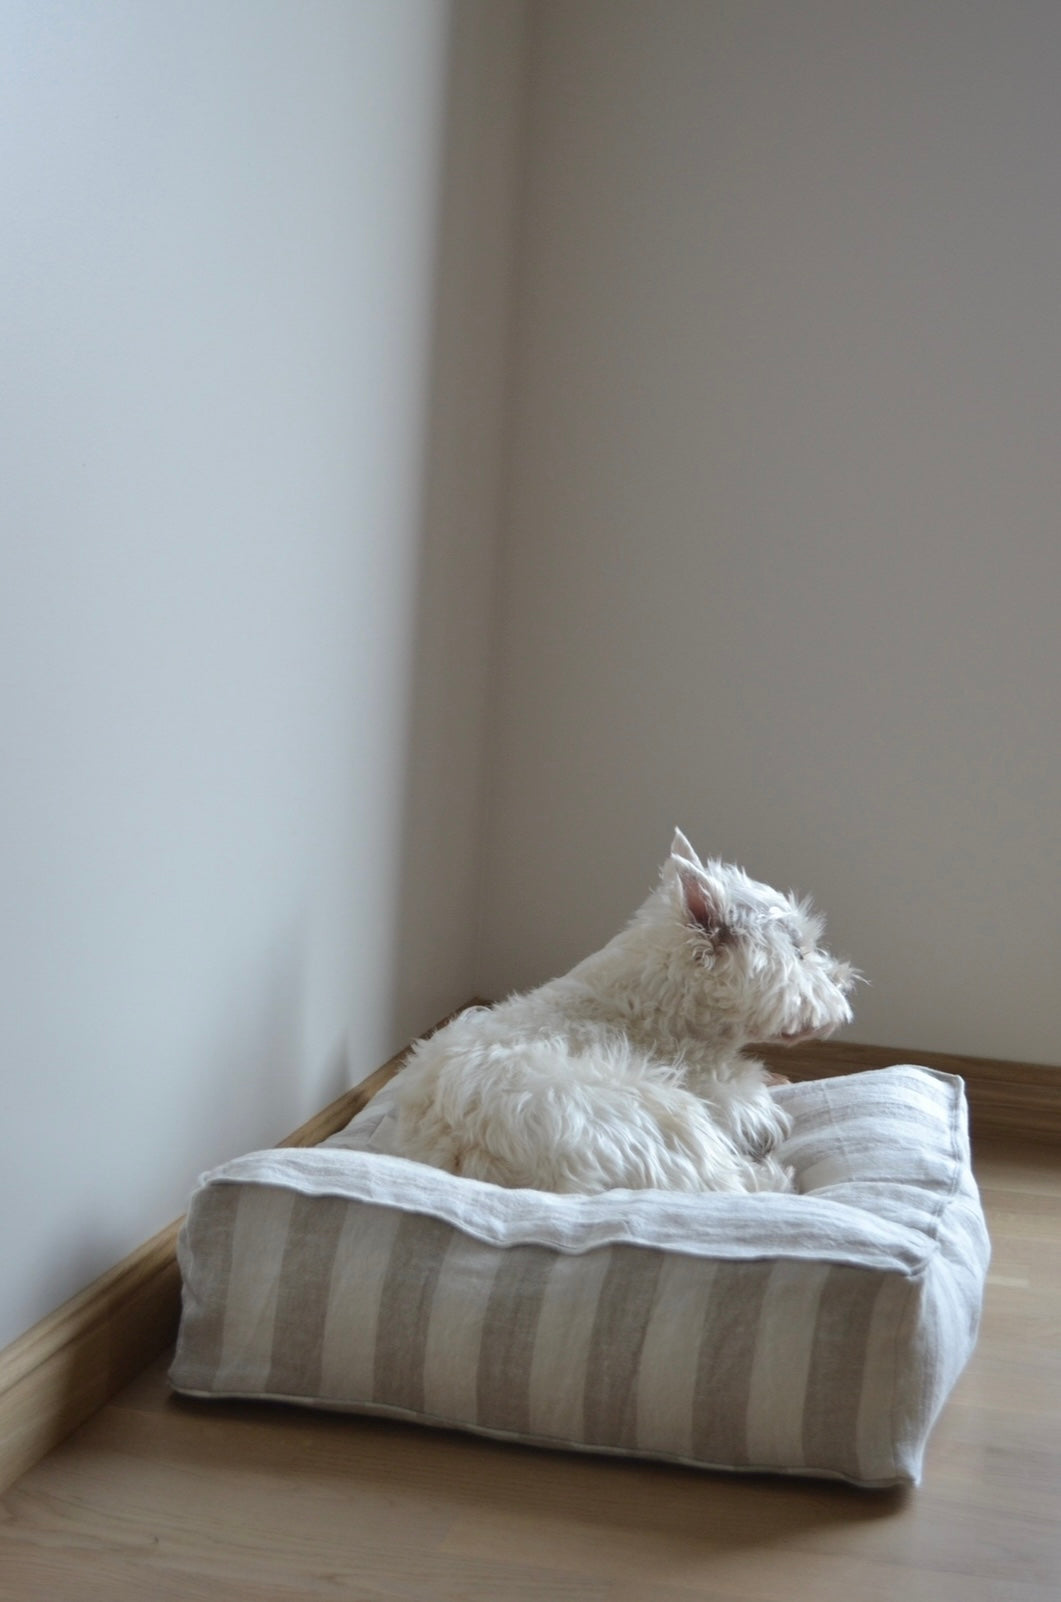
[61, 1371]
[1005, 1098]
[72, 1362]
[64, 1368]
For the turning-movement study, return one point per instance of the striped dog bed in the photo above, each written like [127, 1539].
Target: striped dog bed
[817, 1333]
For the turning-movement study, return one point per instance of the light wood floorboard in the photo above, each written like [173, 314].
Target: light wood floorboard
[156, 1498]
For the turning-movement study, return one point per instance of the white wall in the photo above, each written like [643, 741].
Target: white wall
[437, 915]
[222, 336]
[778, 471]
[783, 559]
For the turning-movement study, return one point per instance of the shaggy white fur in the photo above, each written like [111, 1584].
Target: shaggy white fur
[628, 1072]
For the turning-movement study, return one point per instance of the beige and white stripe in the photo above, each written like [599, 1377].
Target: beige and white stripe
[566, 1319]
[348, 1339]
[670, 1357]
[777, 1394]
[259, 1231]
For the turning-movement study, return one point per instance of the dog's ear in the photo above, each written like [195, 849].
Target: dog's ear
[680, 847]
[705, 899]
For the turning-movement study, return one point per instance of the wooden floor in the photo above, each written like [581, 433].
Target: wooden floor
[160, 1499]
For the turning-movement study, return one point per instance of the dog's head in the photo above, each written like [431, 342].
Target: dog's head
[747, 957]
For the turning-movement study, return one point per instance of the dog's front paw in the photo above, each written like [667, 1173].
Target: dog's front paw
[761, 1143]
[764, 1147]
[758, 1127]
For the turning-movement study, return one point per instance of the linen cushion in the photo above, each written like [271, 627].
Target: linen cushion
[815, 1333]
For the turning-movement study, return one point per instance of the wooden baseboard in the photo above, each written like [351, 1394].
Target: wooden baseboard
[58, 1373]
[68, 1365]
[1005, 1098]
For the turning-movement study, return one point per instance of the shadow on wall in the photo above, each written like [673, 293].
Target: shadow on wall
[444, 791]
[258, 1035]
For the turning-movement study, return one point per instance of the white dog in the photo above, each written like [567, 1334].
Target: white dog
[628, 1072]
